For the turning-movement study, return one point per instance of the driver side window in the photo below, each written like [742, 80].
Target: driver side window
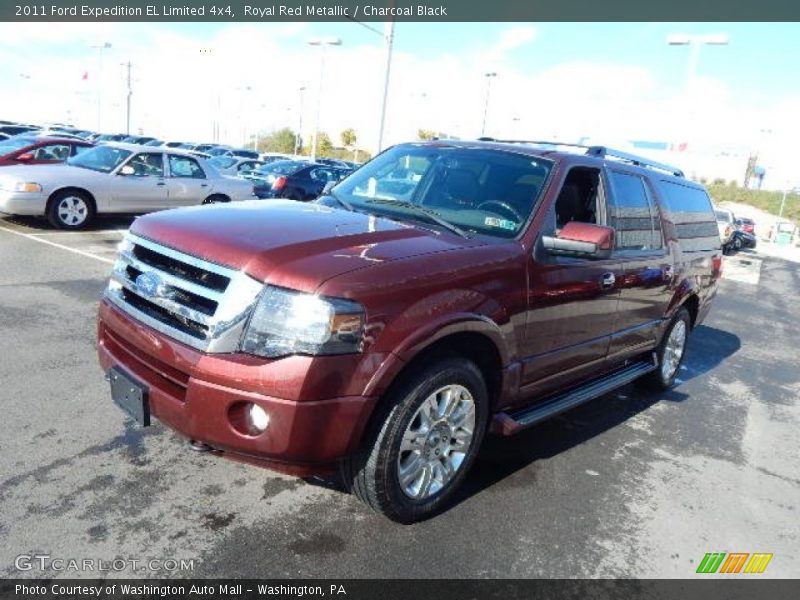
[579, 197]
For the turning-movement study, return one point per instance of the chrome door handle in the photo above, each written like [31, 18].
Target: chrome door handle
[607, 281]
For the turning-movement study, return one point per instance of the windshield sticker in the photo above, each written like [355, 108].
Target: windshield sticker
[501, 223]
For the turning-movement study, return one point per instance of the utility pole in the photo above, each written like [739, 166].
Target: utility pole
[128, 66]
[388, 36]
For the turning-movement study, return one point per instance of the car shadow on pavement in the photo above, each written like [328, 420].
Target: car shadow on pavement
[38, 225]
[501, 457]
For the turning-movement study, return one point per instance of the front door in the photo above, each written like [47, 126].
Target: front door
[572, 302]
[144, 189]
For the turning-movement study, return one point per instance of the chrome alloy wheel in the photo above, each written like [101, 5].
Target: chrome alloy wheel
[673, 350]
[436, 442]
[72, 210]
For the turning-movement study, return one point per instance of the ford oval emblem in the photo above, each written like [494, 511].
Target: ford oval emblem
[149, 285]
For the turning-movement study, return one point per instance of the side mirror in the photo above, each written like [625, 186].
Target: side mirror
[27, 157]
[584, 240]
[127, 171]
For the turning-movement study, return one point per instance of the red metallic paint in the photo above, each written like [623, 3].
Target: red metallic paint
[549, 321]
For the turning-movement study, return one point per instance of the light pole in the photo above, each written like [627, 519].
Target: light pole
[388, 36]
[489, 76]
[323, 43]
[100, 48]
[299, 136]
[695, 42]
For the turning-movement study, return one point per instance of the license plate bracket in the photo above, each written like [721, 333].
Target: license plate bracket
[130, 395]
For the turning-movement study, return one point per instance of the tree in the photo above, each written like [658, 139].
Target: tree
[324, 144]
[425, 134]
[349, 138]
[281, 141]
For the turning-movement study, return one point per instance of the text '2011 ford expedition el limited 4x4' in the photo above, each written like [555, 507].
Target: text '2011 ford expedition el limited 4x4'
[440, 292]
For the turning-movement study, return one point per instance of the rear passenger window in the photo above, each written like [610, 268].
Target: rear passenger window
[632, 213]
[183, 166]
[690, 210]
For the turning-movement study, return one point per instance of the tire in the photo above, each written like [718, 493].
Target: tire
[663, 377]
[737, 244]
[216, 199]
[70, 209]
[374, 473]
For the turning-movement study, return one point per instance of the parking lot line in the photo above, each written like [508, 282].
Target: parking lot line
[121, 232]
[63, 247]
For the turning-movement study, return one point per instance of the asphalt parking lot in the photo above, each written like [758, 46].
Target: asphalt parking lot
[630, 485]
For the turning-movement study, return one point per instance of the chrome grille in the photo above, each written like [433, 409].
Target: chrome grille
[197, 302]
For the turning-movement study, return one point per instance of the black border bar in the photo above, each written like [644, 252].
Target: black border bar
[401, 10]
[704, 587]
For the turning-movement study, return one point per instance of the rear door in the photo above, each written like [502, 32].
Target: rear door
[646, 287]
[186, 181]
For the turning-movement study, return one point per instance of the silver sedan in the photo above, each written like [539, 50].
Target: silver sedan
[115, 178]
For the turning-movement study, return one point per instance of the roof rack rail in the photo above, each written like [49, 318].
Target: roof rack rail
[537, 142]
[639, 161]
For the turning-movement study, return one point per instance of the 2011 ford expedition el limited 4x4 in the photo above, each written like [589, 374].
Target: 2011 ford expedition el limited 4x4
[442, 291]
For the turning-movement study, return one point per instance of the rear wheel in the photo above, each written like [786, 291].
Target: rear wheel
[737, 244]
[670, 352]
[423, 443]
[70, 209]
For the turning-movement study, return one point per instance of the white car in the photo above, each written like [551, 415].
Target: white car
[115, 178]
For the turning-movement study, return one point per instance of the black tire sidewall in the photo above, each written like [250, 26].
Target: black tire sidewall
[410, 397]
[52, 210]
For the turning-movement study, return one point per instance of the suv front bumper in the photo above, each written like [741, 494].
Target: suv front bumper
[193, 392]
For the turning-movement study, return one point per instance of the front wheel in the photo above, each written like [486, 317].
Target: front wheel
[70, 209]
[670, 353]
[423, 442]
[737, 244]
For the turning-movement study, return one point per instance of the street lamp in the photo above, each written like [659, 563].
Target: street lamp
[323, 43]
[489, 76]
[100, 48]
[299, 136]
[695, 42]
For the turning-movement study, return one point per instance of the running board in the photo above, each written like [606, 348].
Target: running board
[509, 423]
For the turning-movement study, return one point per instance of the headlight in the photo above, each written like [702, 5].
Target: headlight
[20, 186]
[285, 322]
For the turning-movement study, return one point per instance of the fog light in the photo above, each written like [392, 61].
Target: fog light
[258, 417]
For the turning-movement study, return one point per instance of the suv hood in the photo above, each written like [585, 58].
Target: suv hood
[291, 244]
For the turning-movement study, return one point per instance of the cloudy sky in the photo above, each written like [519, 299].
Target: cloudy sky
[607, 82]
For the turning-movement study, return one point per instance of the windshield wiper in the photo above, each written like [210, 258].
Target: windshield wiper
[341, 201]
[432, 215]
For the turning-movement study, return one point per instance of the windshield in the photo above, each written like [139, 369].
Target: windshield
[482, 191]
[222, 162]
[13, 144]
[100, 158]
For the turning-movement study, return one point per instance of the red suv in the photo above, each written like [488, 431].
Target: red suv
[442, 291]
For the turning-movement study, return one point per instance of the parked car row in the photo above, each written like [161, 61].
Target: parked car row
[113, 173]
[734, 233]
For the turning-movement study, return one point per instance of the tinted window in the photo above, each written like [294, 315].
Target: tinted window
[632, 214]
[183, 166]
[690, 210]
[59, 152]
